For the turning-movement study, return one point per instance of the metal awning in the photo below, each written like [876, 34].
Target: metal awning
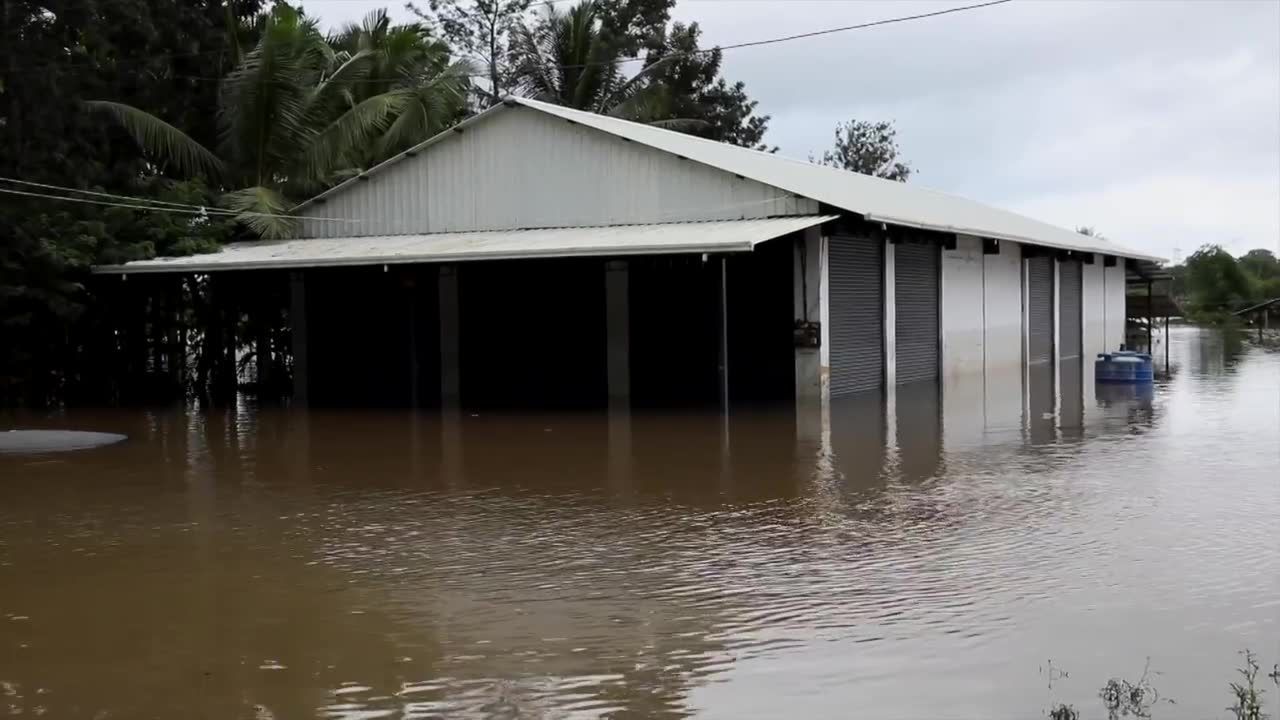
[666, 238]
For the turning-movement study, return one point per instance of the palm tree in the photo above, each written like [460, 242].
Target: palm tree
[568, 59]
[412, 67]
[300, 112]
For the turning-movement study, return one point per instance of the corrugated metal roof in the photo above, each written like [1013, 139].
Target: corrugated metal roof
[877, 199]
[699, 237]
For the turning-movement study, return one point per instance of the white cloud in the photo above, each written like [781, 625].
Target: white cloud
[1167, 212]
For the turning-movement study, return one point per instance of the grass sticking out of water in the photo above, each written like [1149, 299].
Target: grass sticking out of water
[1138, 699]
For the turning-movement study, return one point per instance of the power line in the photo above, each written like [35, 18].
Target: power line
[135, 199]
[704, 51]
[193, 210]
[874, 23]
[47, 186]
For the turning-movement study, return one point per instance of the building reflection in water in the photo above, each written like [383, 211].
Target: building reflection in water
[469, 564]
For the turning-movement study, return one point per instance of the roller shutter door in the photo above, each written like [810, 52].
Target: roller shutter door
[1039, 310]
[856, 314]
[915, 276]
[1070, 336]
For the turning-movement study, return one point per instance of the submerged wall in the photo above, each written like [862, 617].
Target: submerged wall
[1003, 307]
[1114, 292]
[1094, 308]
[962, 300]
[981, 309]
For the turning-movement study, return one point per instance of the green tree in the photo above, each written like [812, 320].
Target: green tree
[1264, 273]
[870, 148]
[1214, 281]
[569, 58]
[291, 118]
[480, 30]
[694, 90]
[416, 69]
[53, 55]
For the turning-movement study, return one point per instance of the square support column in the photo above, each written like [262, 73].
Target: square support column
[450, 346]
[410, 289]
[721, 271]
[1057, 338]
[890, 318]
[298, 327]
[812, 363]
[618, 333]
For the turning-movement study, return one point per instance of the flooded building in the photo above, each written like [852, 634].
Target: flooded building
[538, 256]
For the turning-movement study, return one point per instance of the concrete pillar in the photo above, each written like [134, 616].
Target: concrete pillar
[890, 319]
[1151, 314]
[411, 302]
[298, 325]
[618, 333]
[1026, 337]
[450, 346]
[1057, 334]
[810, 306]
[722, 332]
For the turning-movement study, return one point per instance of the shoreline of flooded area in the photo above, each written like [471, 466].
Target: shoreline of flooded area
[927, 555]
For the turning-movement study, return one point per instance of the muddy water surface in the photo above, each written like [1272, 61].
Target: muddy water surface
[925, 559]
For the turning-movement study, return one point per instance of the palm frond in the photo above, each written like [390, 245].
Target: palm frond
[629, 86]
[162, 141]
[358, 126]
[264, 211]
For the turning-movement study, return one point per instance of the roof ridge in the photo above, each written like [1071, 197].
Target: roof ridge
[544, 106]
[952, 213]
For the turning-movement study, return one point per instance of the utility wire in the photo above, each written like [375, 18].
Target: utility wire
[202, 210]
[874, 23]
[221, 212]
[64, 188]
[704, 51]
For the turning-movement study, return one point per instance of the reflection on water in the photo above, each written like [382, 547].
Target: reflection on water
[920, 554]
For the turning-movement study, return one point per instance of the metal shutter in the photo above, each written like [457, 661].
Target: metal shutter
[856, 313]
[915, 283]
[1070, 336]
[1039, 310]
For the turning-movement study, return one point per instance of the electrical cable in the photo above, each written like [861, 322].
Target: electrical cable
[221, 212]
[720, 48]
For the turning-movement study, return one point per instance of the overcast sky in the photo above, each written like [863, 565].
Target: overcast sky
[1156, 122]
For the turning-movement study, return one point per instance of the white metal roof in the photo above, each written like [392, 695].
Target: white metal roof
[877, 199]
[696, 237]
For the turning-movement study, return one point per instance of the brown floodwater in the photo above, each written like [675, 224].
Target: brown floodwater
[930, 558]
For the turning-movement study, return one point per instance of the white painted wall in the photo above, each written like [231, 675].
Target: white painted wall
[521, 169]
[962, 300]
[964, 422]
[1115, 308]
[808, 271]
[1002, 303]
[1095, 310]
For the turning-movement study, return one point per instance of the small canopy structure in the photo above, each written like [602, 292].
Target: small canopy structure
[682, 238]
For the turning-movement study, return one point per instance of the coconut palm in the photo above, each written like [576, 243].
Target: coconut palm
[300, 112]
[413, 68]
[568, 59]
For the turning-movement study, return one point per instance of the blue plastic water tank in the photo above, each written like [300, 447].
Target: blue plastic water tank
[1124, 367]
